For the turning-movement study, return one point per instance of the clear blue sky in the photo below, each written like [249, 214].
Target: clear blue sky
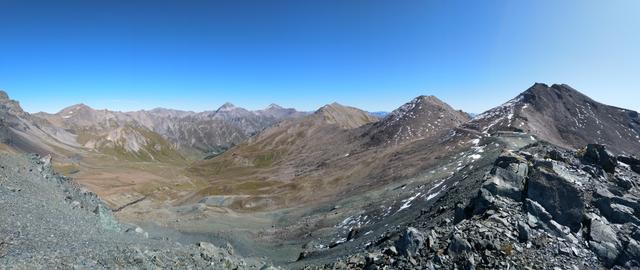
[376, 55]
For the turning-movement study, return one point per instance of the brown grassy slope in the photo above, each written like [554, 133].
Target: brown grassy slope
[318, 157]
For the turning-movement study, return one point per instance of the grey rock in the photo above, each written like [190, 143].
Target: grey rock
[505, 183]
[481, 203]
[537, 211]
[373, 258]
[599, 155]
[458, 246]
[617, 209]
[631, 253]
[557, 195]
[353, 233]
[432, 240]
[410, 242]
[391, 251]
[633, 162]
[211, 252]
[604, 241]
[524, 232]
[470, 263]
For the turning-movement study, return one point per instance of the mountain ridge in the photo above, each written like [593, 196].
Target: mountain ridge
[564, 116]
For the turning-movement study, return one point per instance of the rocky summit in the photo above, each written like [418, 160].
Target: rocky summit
[548, 180]
[566, 117]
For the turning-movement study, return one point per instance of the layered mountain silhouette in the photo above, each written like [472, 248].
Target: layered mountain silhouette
[164, 133]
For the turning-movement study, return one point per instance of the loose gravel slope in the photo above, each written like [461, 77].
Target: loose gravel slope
[49, 222]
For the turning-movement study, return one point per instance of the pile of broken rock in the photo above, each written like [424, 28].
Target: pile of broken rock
[540, 207]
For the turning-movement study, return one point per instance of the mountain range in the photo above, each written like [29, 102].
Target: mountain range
[547, 179]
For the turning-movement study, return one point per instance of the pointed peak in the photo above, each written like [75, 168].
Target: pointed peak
[74, 108]
[332, 107]
[427, 99]
[80, 106]
[419, 104]
[542, 87]
[553, 92]
[227, 106]
[274, 106]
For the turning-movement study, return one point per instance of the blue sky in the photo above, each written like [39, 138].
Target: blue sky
[375, 55]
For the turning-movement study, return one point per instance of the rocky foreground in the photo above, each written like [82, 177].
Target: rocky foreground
[49, 222]
[539, 207]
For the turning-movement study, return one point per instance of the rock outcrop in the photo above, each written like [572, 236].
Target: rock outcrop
[533, 211]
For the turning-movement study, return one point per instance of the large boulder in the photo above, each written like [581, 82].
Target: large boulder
[603, 241]
[505, 183]
[599, 155]
[410, 242]
[557, 195]
[482, 202]
[633, 162]
[458, 246]
[512, 162]
[630, 255]
[210, 252]
[536, 210]
[617, 209]
[524, 232]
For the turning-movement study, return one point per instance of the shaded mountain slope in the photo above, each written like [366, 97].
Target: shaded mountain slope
[113, 133]
[21, 132]
[422, 117]
[566, 117]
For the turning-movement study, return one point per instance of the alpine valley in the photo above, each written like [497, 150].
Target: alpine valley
[548, 180]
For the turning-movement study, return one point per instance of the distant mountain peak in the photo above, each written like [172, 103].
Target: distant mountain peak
[227, 106]
[333, 105]
[428, 98]
[274, 106]
[75, 108]
[344, 116]
[419, 118]
[419, 103]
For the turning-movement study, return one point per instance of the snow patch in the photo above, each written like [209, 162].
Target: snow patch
[407, 202]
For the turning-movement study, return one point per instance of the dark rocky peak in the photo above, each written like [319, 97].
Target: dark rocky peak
[544, 96]
[421, 105]
[563, 116]
[274, 106]
[228, 106]
[421, 117]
